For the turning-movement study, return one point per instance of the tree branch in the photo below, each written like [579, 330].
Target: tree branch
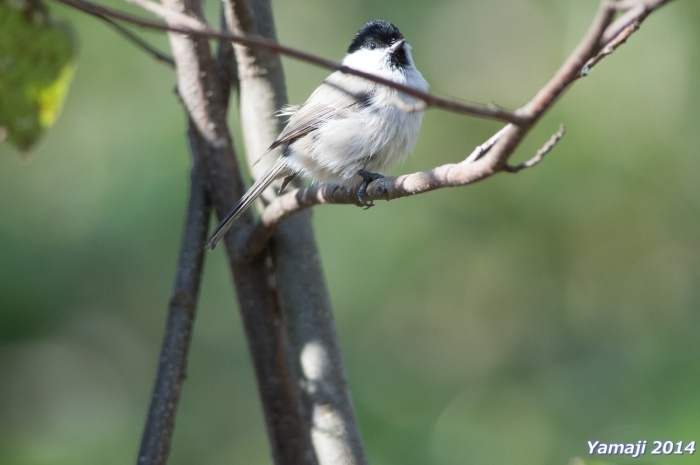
[570, 70]
[539, 156]
[487, 160]
[136, 40]
[610, 47]
[636, 11]
[203, 31]
[160, 421]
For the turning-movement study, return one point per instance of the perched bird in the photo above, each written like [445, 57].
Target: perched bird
[350, 130]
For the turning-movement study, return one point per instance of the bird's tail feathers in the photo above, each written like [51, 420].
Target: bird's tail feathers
[276, 171]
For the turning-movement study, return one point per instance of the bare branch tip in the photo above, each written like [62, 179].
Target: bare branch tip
[539, 156]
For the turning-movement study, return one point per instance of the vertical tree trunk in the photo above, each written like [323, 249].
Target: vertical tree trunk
[314, 351]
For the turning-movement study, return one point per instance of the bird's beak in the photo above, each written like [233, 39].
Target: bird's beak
[397, 45]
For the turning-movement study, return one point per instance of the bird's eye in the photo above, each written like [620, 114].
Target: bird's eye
[372, 46]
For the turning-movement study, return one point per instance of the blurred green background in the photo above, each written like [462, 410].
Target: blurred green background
[506, 322]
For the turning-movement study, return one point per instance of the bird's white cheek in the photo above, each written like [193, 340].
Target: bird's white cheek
[370, 61]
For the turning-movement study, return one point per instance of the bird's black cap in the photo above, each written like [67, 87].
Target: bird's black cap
[375, 33]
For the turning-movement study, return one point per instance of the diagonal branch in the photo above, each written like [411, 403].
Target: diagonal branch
[203, 31]
[488, 159]
[636, 11]
[160, 421]
[609, 48]
[136, 40]
[570, 70]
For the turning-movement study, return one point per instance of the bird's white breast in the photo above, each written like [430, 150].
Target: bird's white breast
[372, 137]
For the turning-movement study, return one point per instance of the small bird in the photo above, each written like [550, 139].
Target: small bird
[350, 130]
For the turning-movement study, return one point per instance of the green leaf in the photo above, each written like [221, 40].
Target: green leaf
[36, 68]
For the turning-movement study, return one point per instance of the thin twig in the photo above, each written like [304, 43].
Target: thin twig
[637, 11]
[136, 40]
[539, 156]
[609, 48]
[489, 111]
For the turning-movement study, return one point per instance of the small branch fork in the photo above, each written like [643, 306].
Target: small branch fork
[539, 156]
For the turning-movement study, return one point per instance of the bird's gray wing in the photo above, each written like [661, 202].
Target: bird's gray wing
[331, 99]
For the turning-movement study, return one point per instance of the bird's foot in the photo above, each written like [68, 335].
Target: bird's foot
[367, 178]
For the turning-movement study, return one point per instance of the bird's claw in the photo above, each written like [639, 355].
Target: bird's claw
[367, 178]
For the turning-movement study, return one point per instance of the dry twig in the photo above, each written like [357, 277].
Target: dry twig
[203, 31]
[137, 41]
[539, 156]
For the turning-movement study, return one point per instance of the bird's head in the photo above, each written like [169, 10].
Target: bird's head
[379, 46]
